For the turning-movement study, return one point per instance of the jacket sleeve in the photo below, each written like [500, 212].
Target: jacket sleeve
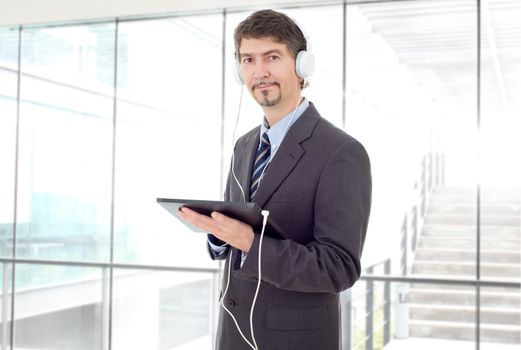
[330, 262]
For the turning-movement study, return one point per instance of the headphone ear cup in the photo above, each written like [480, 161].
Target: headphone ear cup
[237, 73]
[304, 64]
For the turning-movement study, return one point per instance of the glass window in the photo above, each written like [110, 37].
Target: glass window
[5, 303]
[323, 26]
[8, 88]
[65, 157]
[411, 95]
[94, 154]
[161, 310]
[59, 315]
[168, 134]
[398, 316]
[500, 170]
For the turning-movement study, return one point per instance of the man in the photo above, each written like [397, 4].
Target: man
[316, 186]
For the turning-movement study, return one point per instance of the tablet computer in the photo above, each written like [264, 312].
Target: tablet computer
[247, 212]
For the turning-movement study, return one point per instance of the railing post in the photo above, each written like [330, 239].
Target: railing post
[414, 224]
[402, 311]
[369, 301]
[442, 169]
[387, 304]
[105, 308]
[214, 305]
[346, 320]
[5, 306]
[404, 246]
[424, 184]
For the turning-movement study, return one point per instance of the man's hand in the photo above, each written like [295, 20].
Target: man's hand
[234, 232]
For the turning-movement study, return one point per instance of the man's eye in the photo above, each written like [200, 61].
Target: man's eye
[273, 58]
[247, 60]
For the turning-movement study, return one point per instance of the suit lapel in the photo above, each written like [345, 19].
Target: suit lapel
[284, 161]
[288, 155]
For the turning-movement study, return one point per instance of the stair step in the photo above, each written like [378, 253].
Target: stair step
[488, 196]
[460, 287]
[468, 255]
[498, 232]
[461, 242]
[488, 270]
[466, 331]
[463, 278]
[447, 250]
[438, 296]
[454, 219]
[458, 313]
[462, 209]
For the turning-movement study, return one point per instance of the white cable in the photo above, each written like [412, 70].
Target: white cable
[254, 346]
[229, 312]
[244, 200]
[265, 215]
[233, 143]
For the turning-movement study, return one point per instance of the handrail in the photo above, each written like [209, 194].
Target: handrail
[452, 281]
[128, 266]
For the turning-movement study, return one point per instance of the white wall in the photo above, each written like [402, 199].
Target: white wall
[14, 12]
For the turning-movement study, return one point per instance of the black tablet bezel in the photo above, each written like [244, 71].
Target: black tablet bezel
[248, 212]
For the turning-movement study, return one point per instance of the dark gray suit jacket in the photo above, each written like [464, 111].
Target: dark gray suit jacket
[318, 189]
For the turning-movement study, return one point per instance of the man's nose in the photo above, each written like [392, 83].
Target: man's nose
[260, 70]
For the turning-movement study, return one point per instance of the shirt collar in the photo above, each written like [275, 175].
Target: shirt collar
[277, 132]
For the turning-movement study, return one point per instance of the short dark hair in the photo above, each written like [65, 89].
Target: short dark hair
[272, 24]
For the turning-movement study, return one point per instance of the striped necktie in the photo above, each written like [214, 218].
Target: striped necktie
[261, 160]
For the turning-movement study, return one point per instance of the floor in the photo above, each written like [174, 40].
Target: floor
[428, 344]
[396, 344]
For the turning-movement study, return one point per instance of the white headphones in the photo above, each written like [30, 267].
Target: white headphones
[304, 62]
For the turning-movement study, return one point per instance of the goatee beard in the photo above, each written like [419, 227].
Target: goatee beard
[265, 101]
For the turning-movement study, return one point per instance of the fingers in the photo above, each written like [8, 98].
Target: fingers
[234, 232]
[204, 222]
[226, 223]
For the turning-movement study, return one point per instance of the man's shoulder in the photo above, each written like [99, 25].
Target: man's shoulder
[325, 129]
[330, 137]
[250, 136]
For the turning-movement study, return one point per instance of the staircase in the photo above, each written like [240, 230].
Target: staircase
[447, 249]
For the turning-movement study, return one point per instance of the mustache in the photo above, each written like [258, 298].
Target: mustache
[256, 83]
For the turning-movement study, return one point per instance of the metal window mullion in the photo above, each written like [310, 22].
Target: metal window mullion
[478, 194]
[105, 308]
[346, 319]
[15, 209]
[369, 321]
[214, 306]
[5, 305]
[223, 101]
[387, 305]
[108, 272]
[344, 65]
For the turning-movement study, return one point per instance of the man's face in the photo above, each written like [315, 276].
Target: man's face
[268, 69]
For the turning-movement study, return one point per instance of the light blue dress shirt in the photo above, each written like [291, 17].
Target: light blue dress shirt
[276, 134]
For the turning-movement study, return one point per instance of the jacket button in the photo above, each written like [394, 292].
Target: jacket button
[231, 303]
